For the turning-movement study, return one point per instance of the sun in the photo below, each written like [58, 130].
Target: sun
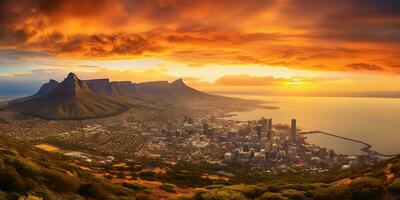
[295, 82]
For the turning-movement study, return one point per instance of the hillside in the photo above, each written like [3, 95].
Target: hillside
[30, 172]
[376, 182]
[71, 99]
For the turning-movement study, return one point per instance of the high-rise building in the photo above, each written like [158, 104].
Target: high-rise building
[269, 124]
[206, 129]
[293, 131]
[259, 131]
[269, 129]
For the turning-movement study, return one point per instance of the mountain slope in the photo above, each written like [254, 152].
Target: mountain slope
[26, 171]
[71, 99]
[83, 99]
[43, 91]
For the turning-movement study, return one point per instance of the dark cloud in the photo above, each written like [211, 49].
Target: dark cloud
[308, 34]
[364, 66]
[15, 28]
[97, 45]
[347, 20]
[12, 54]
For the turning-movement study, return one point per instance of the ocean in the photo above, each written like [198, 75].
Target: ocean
[373, 120]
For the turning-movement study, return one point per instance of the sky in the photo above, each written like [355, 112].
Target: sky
[257, 47]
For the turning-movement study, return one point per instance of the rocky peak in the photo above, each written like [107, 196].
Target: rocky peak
[72, 76]
[178, 82]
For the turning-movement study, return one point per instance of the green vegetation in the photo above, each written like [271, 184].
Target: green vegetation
[271, 196]
[71, 99]
[394, 187]
[217, 194]
[367, 188]
[168, 187]
[362, 188]
[28, 173]
[134, 186]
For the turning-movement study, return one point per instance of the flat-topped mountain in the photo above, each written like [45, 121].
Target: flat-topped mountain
[70, 99]
[83, 99]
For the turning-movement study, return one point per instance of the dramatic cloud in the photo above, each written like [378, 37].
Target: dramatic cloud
[319, 35]
[364, 66]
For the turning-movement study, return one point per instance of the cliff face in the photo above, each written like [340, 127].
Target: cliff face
[47, 88]
[99, 85]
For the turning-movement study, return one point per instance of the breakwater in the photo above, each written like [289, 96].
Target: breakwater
[367, 147]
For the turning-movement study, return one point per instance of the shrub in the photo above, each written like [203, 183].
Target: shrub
[366, 188]
[3, 195]
[142, 196]
[30, 197]
[395, 186]
[274, 188]
[24, 167]
[168, 187]
[183, 197]
[214, 186]
[134, 186]
[271, 196]
[95, 191]
[293, 194]
[13, 196]
[331, 193]
[60, 182]
[218, 195]
[45, 194]
[10, 180]
[249, 191]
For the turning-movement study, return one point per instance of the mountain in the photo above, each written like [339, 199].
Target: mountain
[43, 91]
[125, 91]
[158, 91]
[47, 88]
[70, 99]
[83, 99]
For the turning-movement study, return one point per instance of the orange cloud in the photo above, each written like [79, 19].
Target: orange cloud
[360, 36]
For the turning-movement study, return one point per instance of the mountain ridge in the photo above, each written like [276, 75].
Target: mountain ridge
[74, 98]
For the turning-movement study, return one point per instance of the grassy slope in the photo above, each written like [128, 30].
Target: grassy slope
[26, 170]
[376, 182]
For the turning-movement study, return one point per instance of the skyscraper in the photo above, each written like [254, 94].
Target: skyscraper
[269, 129]
[293, 131]
[269, 124]
[205, 129]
